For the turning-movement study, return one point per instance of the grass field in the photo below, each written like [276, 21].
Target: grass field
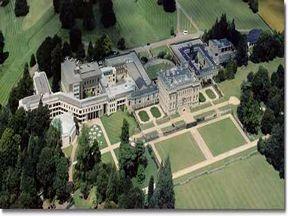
[182, 150]
[233, 87]
[153, 70]
[245, 184]
[113, 125]
[210, 93]
[221, 136]
[143, 116]
[204, 13]
[185, 24]
[273, 12]
[155, 112]
[107, 158]
[22, 38]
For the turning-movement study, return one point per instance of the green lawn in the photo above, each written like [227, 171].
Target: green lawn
[160, 49]
[204, 13]
[81, 203]
[155, 112]
[233, 87]
[201, 98]
[114, 122]
[273, 12]
[245, 184]
[185, 24]
[153, 70]
[22, 38]
[182, 150]
[210, 94]
[143, 116]
[221, 136]
[67, 151]
[107, 158]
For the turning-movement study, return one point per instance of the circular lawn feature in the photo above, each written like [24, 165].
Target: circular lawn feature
[143, 116]
[202, 99]
[155, 112]
[210, 93]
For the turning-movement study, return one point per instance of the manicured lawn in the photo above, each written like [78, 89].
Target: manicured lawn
[67, 151]
[22, 38]
[200, 107]
[273, 12]
[182, 150]
[185, 24]
[81, 203]
[107, 158]
[201, 98]
[210, 94]
[153, 70]
[147, 125]
[233, 87]
[221, 136]
[113, 125]
[160, 49]
[205, 13]
[250, 183]
[143, 116]
[155, 112]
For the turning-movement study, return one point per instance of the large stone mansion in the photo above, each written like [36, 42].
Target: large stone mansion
[89, 90]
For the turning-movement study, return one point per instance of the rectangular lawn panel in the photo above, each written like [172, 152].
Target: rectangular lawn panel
[155, 112]
[114, 122]
[210, 93]
[250, 183]
[182, 150]
[153, 70]
[143, 116]
[221, 136]
[107, 158]
[205, 13]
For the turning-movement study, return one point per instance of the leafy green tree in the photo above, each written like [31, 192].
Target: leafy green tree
[164, 192]
[268, 121]
[231, 69]
[61, 178]
[3, 55]
[112, 187]
[261, 84]
[67, 17]
[169, 5]
[121, 44]
[125, 132]
[21, 8]
[242, 52]
[5, 116]
[150, 190]
[277, 78]
[134, 199]
[56, 58]
[102, 183]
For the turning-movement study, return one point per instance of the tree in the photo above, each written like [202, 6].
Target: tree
[268, 121]
[75, 36]
[66, 50]
[102, 183]
[250, 114]
[3, 55]
[90, 52]
[57, 5]
[66, 15]
[108, 17]
[253, 5]
[5, 116]
[169, 5]
[242, 52]
[231, 69]
[261, 84]
[150, 191]
[164, 192]
[9, 148]
[89, 19]
[134, 199]
[21, 8]
[32, 61]
[61, 178]
[277, 78]
[80, 54]
[121, 44]
[125, 132]
[43, 56]
[3, 3]
[56, 58]
[112, 187]
[273, 149]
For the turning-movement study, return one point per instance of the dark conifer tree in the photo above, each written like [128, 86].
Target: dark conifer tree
[3, 55]
[56, 57]
[66, 50]
[32, 61]
[75, 36]
[21, 8]
[89, 19]
[57, 5]
[66, 15]
[169, 5]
